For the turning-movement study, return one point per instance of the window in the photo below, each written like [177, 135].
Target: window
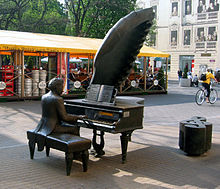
[188, 7]
[212, 34]
[186, 37]
[200, 35]
[155, 11]
[173, 38]
[175, 9]
[213, 6]
[201, 6]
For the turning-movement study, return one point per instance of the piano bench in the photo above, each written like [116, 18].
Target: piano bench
[71, 144]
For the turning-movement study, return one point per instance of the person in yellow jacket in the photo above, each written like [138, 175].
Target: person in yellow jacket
[207, 82]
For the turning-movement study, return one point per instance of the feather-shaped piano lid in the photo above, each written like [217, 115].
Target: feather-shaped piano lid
[117, 54]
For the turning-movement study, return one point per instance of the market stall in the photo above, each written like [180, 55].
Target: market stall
[25, 73]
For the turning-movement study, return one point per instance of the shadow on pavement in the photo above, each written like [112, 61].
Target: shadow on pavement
[7, 142]
[149, 167]
[168, 99]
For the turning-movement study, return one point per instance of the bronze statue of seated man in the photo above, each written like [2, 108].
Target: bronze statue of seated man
[54, 116]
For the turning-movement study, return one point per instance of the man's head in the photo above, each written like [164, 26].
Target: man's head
[208, 70]
[56, 85]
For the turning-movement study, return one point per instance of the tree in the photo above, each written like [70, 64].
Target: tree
[10, 11]
[93, 18]
[77, 10]
[151, 37]
[160, 77]
[109, 12]
[185, 72]
[44, 16]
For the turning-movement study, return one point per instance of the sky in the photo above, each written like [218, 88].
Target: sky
[61, 1]
[143, 3]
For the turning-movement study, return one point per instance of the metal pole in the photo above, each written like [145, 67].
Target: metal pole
[93, 65]
[15, 58]
[120, 89]
[0, 61]
[145, 73]
[88, 64]
[166, 74]
[21, 57]
[39, 61]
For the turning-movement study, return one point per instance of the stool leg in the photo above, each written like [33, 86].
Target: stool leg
[47, 151]
[31, 144]
[69, 160]
[85, 159]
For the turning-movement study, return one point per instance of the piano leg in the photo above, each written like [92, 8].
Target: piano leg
[98, 147]
[125, 137]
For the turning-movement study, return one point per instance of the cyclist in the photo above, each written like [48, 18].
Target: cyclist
[207, 82]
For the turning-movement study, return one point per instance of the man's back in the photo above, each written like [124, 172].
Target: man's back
[50, 117]
[209, 76]
[49, 106]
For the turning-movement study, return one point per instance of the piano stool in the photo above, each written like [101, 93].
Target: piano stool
[71, 144]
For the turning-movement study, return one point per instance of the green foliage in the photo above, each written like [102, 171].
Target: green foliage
[185, 72]
[7, 13]
[5, 59]
[151, 37]
[88, 18]
[42, 16]
[93, 18]
[160, 77]
[109, 13]
[29, 61]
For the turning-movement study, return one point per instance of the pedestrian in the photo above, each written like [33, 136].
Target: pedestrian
[217, 75]
[190, 78]
[180, 73]
[195, 80]
[207, 82]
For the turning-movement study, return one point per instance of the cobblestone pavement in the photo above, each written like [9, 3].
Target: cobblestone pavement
[153, 161]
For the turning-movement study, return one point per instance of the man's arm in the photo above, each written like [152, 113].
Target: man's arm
[63, 115]
[213, 77]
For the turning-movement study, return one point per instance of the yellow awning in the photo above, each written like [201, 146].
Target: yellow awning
[35, 42]
[151, 52]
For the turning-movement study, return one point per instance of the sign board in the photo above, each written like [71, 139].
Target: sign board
[42, 85]
[206, 54]
[211, 60]
[156, 82]
[52, 54]
[134, 83]
[77, 84]
[158, 64]
[2, 85]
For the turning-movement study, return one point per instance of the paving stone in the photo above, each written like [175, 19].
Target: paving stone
[154, 159]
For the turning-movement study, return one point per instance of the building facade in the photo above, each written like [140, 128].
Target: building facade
[188, 31]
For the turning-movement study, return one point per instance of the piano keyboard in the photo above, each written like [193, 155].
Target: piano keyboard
[96, 123]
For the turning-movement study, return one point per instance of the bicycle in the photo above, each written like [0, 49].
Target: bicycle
[201, 95]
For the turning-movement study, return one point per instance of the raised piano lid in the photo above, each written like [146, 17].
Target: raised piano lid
[122, 102]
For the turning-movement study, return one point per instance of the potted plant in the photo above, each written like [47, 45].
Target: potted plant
[184, 81]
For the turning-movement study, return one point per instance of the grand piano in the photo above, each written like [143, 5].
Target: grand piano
[123, 117]
[105, 111]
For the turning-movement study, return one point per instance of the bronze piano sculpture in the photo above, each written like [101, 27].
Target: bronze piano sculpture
[113, 62]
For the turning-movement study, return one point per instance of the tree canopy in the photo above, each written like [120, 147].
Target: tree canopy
[87, 18]
[43, 16]
[93, 18]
